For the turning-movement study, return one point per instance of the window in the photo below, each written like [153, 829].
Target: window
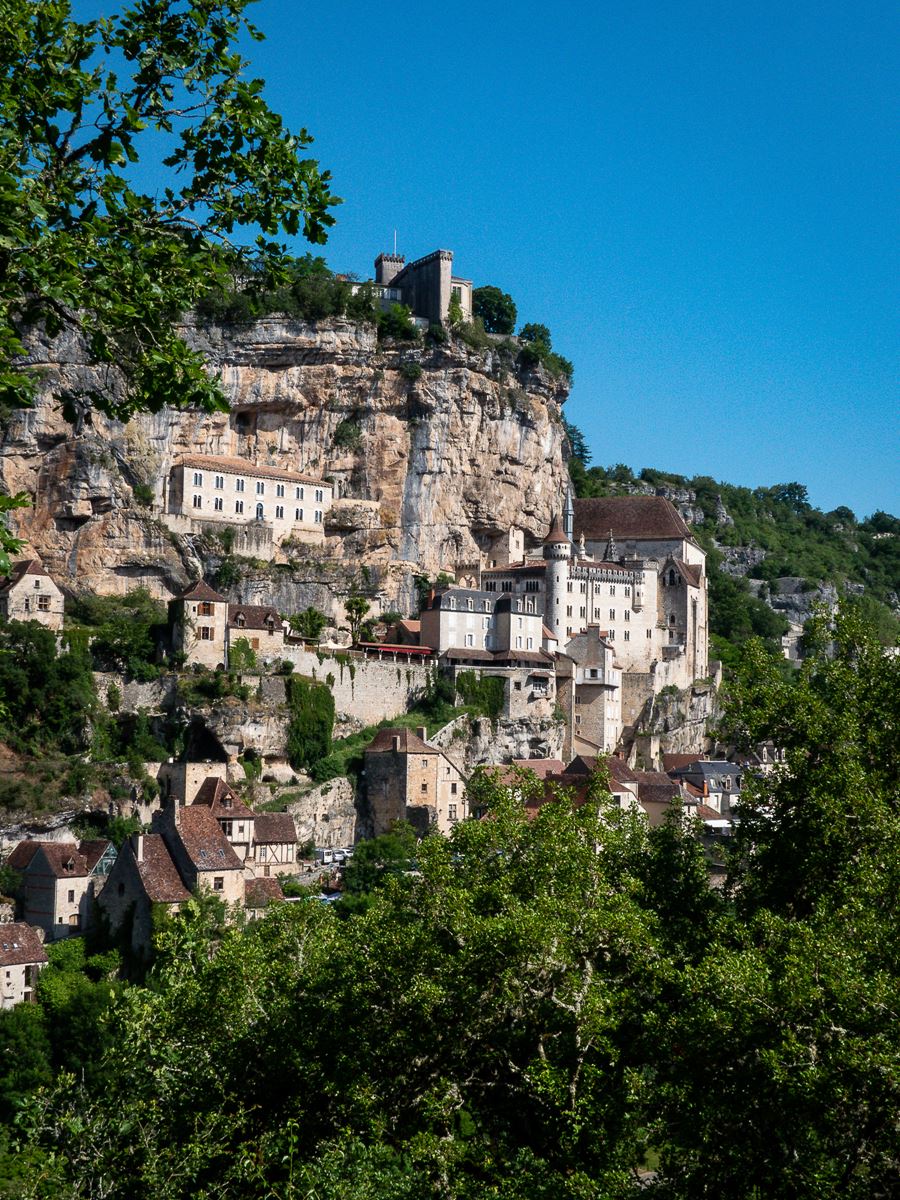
[454, 788]
[470, 639]
[218, 883]
[612, 614]
[517, 685]
[671, 579]
[649, 633]
[218, 504]
[612, 635]
[582, 612]
[596, 614]
[198, 502]
[71, 895]
[569, 610]
[320, 495]
[491, 585]
[506, 585]
[519, 619]
[259, 512]
[206, 634]
[424, 787]
[627, 589]
[37, 584]
[204, 609]
[627, 635]
[532, 585]
[451, 812]
[424, 764]
[260, 488]
[569, 586]
[518, 643]
[279, 489]
[239, 485]
[43, 603]
[198, 479]
[298, 493]
[28, 604]
[238, 506]
[612, 589]
[530, 644]
[627, 614]
[298, 514]
[279, 512]
[318, 520]
[240, 620]
[220, 482]
[262, 854]
[471, 605]
[228, 828]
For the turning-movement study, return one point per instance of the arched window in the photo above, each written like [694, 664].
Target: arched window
[259, 512]
[671, 579]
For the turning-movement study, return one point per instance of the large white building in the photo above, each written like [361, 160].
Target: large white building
[213, 489]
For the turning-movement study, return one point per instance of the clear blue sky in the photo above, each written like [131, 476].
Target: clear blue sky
[699, 199]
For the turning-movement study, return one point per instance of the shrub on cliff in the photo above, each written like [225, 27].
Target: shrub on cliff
[311, 723]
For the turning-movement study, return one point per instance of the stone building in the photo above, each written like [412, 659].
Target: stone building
[29, 594]
[589, 687]
[60, 881]
[426, 286]
[22, 958]
[205, 627]
[212, 490]
[143, 877]
[409, 780]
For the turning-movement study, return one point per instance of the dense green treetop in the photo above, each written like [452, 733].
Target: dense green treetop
[83, 249]
[496, 309]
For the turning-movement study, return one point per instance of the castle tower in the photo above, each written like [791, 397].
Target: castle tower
[387, 266]
[557, 555]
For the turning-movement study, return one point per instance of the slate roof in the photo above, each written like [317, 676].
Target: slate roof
[690, 574]
[259, 892]
[201, 591]
[631, 518]
[706, 769]
[534, 566]
[655, 787]
[158, 873]
[18, 571]
[256, 616]
[204, 842]
[214, 792]
[274, 827]
[242, 466]
[410, 743]
[20, 944]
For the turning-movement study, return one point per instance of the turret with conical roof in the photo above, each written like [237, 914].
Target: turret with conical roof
[557, 553]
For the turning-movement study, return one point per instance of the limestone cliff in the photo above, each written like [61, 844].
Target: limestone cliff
[447, 446]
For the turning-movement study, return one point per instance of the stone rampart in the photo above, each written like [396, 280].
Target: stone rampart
[370, 690]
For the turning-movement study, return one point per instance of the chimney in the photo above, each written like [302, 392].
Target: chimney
[139, 847]
[422, 732]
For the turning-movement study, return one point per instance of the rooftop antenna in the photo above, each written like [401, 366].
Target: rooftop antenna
[395, 243]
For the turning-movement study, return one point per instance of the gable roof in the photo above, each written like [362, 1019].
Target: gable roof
[410, 743]
[204, 842]
[655, 787]
[20, 944]
[201, 591]
[276, 827]
[242, 466]
[22, 854]
[631, 518]
[541, 766]
[66, 860]
[213, 794]
[674, 762]
[158, 873]
[18, 571]
[255, 616]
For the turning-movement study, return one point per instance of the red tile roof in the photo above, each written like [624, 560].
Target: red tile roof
[67, 860]
[671, 762]
[259, 892]
[20, 944]
[158, 873]
[204, 842]
[255, 616]
[201, 591]
[242, 466]
[222, 801]
[557, 535]
[630, 518]
[540, 766]
[22, 854]
[410, 743]
[274, 827]
[705, 813]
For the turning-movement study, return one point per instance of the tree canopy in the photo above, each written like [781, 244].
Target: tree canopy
[496, 309]
[89, 108]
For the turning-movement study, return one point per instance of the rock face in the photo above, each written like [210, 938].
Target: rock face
[471, 743]
[441, 440]
[675, 724]
[326, 815]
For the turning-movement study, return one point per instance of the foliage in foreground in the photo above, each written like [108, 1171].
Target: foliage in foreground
[538, 1008]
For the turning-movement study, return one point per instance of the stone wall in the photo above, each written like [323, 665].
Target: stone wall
[364, 688]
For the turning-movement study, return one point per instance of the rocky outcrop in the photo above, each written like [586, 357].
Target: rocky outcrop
[738, 560]
[326, 815]
[470, 743]
[443, 437]
[675, 723]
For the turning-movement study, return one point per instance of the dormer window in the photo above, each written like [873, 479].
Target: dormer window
[226, 802]
[471, 605]
[240, 620]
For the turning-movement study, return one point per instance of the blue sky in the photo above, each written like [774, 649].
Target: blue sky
[699, 199]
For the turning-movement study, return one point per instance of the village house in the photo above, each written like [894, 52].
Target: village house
[220, 491]
[266, 843]
[206, 627]
[60, 882]
[22, 958]
[29, 594]
[274, 849]
[144, 876]
[407, 779]
[427, 286]
[716, 784]
[589, 690]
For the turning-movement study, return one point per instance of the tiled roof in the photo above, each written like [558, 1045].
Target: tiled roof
[159, 875]
[204, 842]
[540, 766]
[655, 787]
[470, 653]
[242, 466]
[629, 518]
[201, 591]
[25, 566]
[20, 944]
[259, 892]
[213, 793]
[705, 813]
[22, 854]
[672, 762]
[274, 827]
[410, 743]
[557, 534]
[691, 575]
[93, 850]
[68, 861]
[534, 566]
[256, 616]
